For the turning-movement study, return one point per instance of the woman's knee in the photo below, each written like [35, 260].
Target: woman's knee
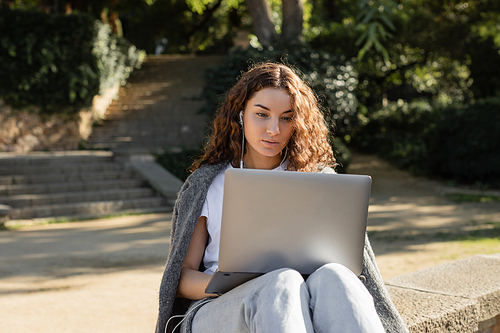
[283, 277]
[336, 279]
[278, 282]
[281, 287]
[278, 301]
[332, 272]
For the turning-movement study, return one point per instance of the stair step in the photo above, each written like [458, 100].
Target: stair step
[99, 145]
[59, 167]
[64, 177]
[10, 190]
[89, 208]
[30, 200]
[143, 140]
[39, 159]
[150, 131]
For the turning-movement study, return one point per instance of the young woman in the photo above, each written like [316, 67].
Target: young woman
[269, 120]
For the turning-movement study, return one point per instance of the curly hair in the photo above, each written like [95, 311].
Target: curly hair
[308, 148]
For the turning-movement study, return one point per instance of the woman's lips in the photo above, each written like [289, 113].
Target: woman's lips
[270, 143]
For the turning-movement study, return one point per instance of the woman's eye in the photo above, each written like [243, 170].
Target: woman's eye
[287, 118]
[262, 115]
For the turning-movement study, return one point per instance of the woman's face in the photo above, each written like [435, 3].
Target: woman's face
[268, 127]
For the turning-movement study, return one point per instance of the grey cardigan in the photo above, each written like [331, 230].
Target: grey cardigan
[186, 213]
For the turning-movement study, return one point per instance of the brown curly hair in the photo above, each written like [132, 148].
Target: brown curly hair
[308, 148]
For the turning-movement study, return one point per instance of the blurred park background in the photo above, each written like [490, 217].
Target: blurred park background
[410, 89]
[415, 81]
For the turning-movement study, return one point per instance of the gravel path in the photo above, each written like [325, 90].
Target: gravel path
[95, 276]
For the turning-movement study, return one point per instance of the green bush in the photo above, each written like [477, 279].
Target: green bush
[59, 62]
[465, 144]
[484, 69]
[398, 133]
[459, 143]
[178, 162]
[342, 155]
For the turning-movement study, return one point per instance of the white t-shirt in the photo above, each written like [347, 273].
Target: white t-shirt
[212, 210]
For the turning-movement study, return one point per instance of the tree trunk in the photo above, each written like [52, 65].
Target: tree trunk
[293, 20]
[262, 21]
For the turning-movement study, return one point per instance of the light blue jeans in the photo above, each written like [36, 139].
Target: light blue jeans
[332, 299]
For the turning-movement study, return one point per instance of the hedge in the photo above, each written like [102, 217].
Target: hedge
[60, 62]
[459, 144]
[398, 132]
[465, 144]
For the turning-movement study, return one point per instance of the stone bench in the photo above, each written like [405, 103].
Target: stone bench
[460, 296]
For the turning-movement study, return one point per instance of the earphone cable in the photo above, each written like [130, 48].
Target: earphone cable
[187, 314]
[242, 145]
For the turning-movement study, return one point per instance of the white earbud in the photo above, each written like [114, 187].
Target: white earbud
[241, 118]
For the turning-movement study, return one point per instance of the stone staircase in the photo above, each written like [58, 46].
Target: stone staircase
[75, 184]
[158, 108]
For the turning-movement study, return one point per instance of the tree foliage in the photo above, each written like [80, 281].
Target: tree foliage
[374, 17]
[63, 64]
[439, 49]
[414, 58]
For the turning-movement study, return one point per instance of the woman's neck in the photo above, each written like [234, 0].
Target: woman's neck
[266, 163]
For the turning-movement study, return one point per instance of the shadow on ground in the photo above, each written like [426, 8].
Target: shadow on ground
[94, 247]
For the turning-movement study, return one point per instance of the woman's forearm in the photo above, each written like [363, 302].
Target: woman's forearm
[192, 284]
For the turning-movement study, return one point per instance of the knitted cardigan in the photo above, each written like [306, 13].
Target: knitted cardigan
[186, 213]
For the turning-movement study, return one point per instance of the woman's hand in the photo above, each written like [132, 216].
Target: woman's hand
[192, 283]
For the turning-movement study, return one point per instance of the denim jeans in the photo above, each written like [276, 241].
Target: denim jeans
[332, 299]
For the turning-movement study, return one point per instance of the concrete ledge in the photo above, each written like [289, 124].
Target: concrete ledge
[426, 312]
[158, 177]
[461, 296]
[4, 213]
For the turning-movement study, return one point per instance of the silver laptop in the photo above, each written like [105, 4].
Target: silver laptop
[299, 220]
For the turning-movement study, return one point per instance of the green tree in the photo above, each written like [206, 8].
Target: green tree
[440, 50]
[265, 27]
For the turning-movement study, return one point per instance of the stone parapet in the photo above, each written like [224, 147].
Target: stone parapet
[461, 296]
[4, 213]
[144, 164]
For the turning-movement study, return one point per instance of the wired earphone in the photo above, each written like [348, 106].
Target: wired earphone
[242, 140]
[185, 316]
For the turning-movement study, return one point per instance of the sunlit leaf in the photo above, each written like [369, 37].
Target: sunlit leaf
[199, 6]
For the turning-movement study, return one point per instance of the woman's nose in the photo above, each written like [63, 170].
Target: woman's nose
[273, 127]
